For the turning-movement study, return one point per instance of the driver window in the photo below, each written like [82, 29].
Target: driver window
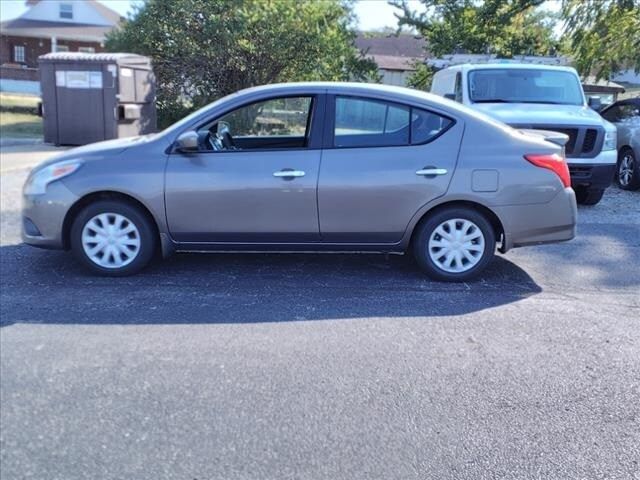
[272, 124]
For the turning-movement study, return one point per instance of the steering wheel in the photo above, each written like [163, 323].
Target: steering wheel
[227, 140]
[212, 142]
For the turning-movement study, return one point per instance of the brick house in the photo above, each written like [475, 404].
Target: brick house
[50, 26]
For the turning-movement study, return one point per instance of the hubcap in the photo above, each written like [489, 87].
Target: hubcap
[456, 245]
[111, 240]
[625, 172]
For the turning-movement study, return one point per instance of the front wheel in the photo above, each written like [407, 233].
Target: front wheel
[454, 244]
[628, 174]
[113, 238]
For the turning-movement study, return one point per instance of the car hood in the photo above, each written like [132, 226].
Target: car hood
[96, 151]
[527, 114]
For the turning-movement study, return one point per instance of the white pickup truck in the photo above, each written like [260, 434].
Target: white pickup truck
[541, 97]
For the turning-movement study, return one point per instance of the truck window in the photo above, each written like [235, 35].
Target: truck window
[511, 85]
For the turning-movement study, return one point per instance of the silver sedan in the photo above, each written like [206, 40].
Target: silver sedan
[308, 167]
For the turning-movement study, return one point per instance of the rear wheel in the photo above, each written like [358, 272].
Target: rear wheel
[628, 173]
[113, 238]
[588, 196]
[454, 244]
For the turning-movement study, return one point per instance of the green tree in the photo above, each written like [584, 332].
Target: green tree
[502, 27]
[205, 49]
[604, 35]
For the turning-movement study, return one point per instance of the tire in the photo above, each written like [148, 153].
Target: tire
[431, 245]
[588, 196]
[628, 170]
[128, 242]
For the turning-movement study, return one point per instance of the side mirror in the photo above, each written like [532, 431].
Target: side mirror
[595, 103]
[188, 142]
[450, 96]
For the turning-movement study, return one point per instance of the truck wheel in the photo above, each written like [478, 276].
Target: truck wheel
[454, 244]
[113, 238]
[588, 196]
[628, 172]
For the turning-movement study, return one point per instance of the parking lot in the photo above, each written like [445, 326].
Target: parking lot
[323, 366]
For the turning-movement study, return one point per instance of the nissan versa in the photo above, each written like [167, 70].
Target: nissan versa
[309, 167]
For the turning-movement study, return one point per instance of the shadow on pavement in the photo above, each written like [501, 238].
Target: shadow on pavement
[50, 287]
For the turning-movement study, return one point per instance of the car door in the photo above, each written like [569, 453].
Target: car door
[384, 161]
[252, 180]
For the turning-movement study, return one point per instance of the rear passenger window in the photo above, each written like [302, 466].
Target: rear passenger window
[425, 126]
[370, 123]
[373, 123]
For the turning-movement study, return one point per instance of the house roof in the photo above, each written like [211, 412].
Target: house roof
[601, 85]
[23, 27]
[109, 15]
[391, 62]
[393, 52]
[46, 29]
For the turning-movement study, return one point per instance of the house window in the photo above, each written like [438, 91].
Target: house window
[87, 49]
[62, 48]
[66, 10]
[18, 53]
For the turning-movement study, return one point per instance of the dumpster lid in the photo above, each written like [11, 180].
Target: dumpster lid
[124, 58]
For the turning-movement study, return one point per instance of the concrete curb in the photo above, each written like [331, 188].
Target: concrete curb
[13, 141]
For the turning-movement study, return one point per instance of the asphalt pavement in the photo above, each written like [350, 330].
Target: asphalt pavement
[323, 366]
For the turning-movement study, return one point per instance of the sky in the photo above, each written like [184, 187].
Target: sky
[372, 14]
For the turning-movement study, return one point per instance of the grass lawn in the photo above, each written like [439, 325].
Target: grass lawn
[18, 100]
[14, 124]
[20, 125]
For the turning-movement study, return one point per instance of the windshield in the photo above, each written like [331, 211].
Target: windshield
[524, 86]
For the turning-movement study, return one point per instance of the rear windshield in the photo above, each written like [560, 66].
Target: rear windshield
[524, 86]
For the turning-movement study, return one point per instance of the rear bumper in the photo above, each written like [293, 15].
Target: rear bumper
[539, 223]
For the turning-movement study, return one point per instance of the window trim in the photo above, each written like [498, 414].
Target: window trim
[313, 132]
[457, 87]
[87, 49]
[62, 9]
[328, 137]
[24, 54]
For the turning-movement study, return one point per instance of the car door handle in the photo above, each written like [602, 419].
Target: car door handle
[289, 174]
[432, 171]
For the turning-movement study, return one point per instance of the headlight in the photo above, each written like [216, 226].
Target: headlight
[610, 141]
[37, 182]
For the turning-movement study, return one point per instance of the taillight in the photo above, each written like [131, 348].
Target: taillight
[554, 162]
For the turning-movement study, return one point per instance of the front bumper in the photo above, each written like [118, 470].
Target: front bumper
[596, 173]
[43, 216]
[597, 177]
[537, 224]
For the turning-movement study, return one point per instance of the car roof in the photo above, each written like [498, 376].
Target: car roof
[389, 92]
[377, 91]
[334, 87]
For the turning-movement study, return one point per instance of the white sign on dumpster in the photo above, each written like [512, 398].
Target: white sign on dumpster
[61, 79]
[79, 79]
